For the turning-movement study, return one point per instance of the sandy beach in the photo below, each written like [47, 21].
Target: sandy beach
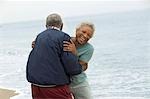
[7, 94]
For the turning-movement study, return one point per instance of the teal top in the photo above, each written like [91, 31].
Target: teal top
[84, 54]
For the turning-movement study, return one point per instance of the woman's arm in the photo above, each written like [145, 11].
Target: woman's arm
[70, 46]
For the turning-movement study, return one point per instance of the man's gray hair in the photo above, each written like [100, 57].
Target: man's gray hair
[54, 20]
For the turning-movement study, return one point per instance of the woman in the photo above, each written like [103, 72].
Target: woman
[79, 46]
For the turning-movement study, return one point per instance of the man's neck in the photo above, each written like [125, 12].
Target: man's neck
[53, 27]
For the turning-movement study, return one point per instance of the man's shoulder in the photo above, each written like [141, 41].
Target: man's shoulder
[56, 33]
[66, 36]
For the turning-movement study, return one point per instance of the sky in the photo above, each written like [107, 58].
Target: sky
[25, 10]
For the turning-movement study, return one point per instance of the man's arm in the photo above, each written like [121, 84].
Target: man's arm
[70, 61]
[70, 47]
[82, 63]
[71, 64]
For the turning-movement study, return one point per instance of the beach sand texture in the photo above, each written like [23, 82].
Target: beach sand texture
[7, 94]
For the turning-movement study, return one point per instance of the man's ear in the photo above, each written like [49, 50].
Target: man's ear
[61, 27]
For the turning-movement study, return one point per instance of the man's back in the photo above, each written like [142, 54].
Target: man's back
[49, 67]
[45, 64]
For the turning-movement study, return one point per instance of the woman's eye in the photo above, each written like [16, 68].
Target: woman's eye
[83, 32]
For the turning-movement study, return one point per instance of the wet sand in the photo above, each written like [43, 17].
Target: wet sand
[7, 94]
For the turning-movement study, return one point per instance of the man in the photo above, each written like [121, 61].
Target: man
[49, 67]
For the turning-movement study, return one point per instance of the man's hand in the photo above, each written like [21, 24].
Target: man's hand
[84, 65]
[33, 44]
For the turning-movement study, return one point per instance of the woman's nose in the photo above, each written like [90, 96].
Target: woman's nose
[86, 36]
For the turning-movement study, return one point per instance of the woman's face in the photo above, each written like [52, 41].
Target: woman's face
[83, 34]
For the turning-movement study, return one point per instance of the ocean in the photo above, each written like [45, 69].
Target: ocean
[119, 68]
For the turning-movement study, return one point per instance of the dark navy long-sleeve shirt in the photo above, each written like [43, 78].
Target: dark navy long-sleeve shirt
[48, 64]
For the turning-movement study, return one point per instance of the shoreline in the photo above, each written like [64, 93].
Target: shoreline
[6, 93]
